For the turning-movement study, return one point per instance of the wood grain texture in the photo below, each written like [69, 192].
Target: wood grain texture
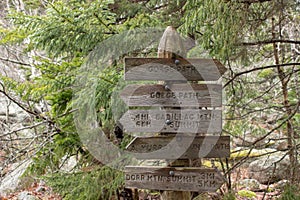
[167, 69]
[179, 95]
[172, 178]
[180, 146]
[173, 121]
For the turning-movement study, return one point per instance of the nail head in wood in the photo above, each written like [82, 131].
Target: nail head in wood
[171, 173]
[168, 122]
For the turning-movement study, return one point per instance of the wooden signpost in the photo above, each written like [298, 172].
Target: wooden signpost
[165, 69]
[188, 115]
[181, 95]
[173, 121]
[180, 146]
[171, 178]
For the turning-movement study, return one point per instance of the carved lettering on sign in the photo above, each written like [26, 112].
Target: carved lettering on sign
[167, 69]
[180, 146]
[163, 179]
[182, 95]
[177, 95]
[158, 68]
[194, 179]
[188, 120]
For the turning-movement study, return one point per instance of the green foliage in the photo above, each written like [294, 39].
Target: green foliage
[229, 196]
[216, 24]
[33, 5]
[291, 192]
[11, 36]
[107, 84]
[266, 73]
[68, 27]
[247, 194]
[99, 183]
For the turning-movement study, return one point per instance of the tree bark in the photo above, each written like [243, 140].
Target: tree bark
[284, 89]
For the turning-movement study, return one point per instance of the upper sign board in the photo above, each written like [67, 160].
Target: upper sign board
[166, 69]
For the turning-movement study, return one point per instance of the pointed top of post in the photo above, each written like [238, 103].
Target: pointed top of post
[171, 44]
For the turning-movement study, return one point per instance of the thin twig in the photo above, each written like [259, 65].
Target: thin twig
[259, 68]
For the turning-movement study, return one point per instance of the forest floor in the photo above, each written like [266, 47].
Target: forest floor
[35, 191]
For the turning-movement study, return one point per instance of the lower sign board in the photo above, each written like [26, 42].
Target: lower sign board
[173, 121]
[175, 179]
[180, 146]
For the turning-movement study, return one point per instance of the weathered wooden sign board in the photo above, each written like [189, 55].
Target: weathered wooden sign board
[180, 146]
[183, 95]
[167, 69]
[170, 178]
[173, 121]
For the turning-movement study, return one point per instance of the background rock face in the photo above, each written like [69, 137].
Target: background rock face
[269, 169]
[11, 180]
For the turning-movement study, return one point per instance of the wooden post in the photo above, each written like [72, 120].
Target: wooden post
[171, 46]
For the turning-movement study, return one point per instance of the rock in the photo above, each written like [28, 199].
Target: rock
[25, 195]
[282, 145]
[40, 189]
[247, 140]
[10, 182]
[249, 184]
[69, 163]
[270, 168]
[280, 185]
[41, 186]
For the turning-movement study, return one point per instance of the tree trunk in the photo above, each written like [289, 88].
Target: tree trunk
[284, 79]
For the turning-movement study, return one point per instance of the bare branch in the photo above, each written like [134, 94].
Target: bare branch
[270, 42]
[260, 68]
[252, 1]
[14, 61]
[34, 113]
[23, 128]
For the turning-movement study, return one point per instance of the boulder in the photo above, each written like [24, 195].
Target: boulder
[249, 184]
[270, 168]
[247, 140]
[10, 181]
[280, 185]
[25, 195]
[69, 164]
